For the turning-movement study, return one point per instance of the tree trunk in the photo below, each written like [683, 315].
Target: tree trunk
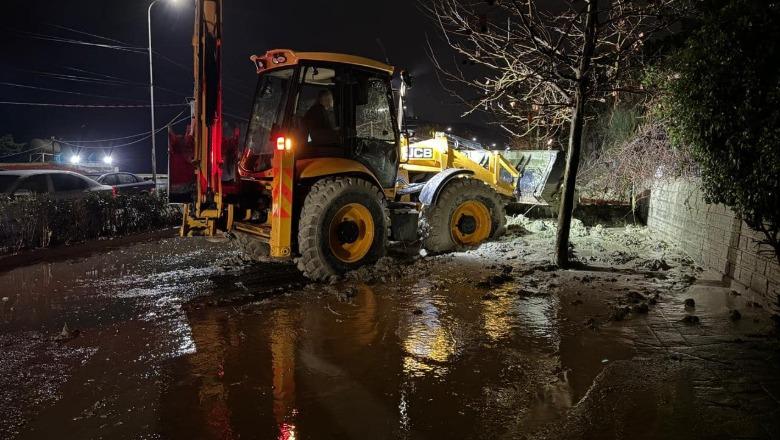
[575, 138]
[570, 179]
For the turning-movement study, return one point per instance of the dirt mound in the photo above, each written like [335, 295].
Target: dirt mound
[389, 269]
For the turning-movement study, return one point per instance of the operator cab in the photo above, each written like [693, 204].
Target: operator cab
[327, 105]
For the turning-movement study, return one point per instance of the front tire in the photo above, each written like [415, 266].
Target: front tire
[343, 226]
[466, 214]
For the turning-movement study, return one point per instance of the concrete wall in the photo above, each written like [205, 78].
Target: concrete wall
[715, 238]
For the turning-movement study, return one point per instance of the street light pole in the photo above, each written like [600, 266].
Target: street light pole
[151, 93]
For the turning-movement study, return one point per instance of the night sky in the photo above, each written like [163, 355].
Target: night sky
[251, 26]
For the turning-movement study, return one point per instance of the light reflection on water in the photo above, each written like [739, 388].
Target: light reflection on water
[282, 342]
[428, 342]
[384, 358]
[499, 317]
[537, 316]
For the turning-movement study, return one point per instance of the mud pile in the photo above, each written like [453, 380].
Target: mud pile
[389, 269]
[531, 242]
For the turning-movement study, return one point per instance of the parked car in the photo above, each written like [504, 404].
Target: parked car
[126, 183]
[58, 184]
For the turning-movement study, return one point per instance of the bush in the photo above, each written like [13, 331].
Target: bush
[39, 221]
[629, 167]
[723, 100]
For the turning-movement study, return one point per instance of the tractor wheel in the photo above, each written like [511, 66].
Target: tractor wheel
[466, 214]
[343, 226]
[252, 249]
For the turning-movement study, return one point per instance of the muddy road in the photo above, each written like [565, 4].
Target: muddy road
[178, 338]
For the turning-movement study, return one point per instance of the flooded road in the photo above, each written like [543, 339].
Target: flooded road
[177, 338]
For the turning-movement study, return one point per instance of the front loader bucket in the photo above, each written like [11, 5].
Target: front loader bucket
[541, 174]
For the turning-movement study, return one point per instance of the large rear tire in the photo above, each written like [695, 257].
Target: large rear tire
[467, 213]
[343, 226]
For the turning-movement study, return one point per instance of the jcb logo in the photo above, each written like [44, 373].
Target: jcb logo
[421, 153]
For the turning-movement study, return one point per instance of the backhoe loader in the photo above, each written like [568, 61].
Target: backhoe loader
[324, 175]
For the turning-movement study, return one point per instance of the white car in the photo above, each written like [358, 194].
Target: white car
[58, 184]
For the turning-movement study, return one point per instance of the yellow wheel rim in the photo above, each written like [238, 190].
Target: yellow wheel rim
[351, 233]
[470, 223]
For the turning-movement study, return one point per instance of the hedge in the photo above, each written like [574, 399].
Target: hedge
[40, 221]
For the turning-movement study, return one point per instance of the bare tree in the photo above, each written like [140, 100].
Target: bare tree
[539, 68]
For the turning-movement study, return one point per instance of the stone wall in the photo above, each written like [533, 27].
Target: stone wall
[716, 239]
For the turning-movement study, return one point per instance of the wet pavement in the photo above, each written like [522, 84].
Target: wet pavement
[176, 338]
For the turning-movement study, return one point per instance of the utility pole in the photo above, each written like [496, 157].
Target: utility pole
[151, 94]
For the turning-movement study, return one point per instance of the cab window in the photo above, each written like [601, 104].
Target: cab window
[373, 137]
[268, 110]
[373, 117]
[318, 107]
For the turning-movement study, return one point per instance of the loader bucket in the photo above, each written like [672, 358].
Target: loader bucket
[541, 173]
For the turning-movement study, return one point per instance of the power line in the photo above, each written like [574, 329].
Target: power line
[111, 77]
[44, 37]
[21, 152]
[102, 148]
[124, 47]
[70, 92]
[79, 78]
[148, 136]
[48, 104]
[101, 81]
[234, 116]
[87, 33]
[145, 133]
[94, 141]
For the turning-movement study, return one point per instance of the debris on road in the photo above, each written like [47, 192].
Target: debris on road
[657, 264]
[67, 334]
[493, 330]
[496, 280]
[690, 319]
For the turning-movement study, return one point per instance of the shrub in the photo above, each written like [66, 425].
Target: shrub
[723, 100]
[39, 221]
[631, 165]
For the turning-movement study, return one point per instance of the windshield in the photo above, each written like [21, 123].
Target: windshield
[268, 110]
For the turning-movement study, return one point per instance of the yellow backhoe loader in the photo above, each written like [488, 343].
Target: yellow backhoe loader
[324, 174]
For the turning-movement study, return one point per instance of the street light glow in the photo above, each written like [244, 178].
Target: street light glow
[75, 159]
[107, 159]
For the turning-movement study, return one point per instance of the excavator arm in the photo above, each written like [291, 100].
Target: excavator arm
[201, 159]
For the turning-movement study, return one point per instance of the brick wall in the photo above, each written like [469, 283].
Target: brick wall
[715, 238]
